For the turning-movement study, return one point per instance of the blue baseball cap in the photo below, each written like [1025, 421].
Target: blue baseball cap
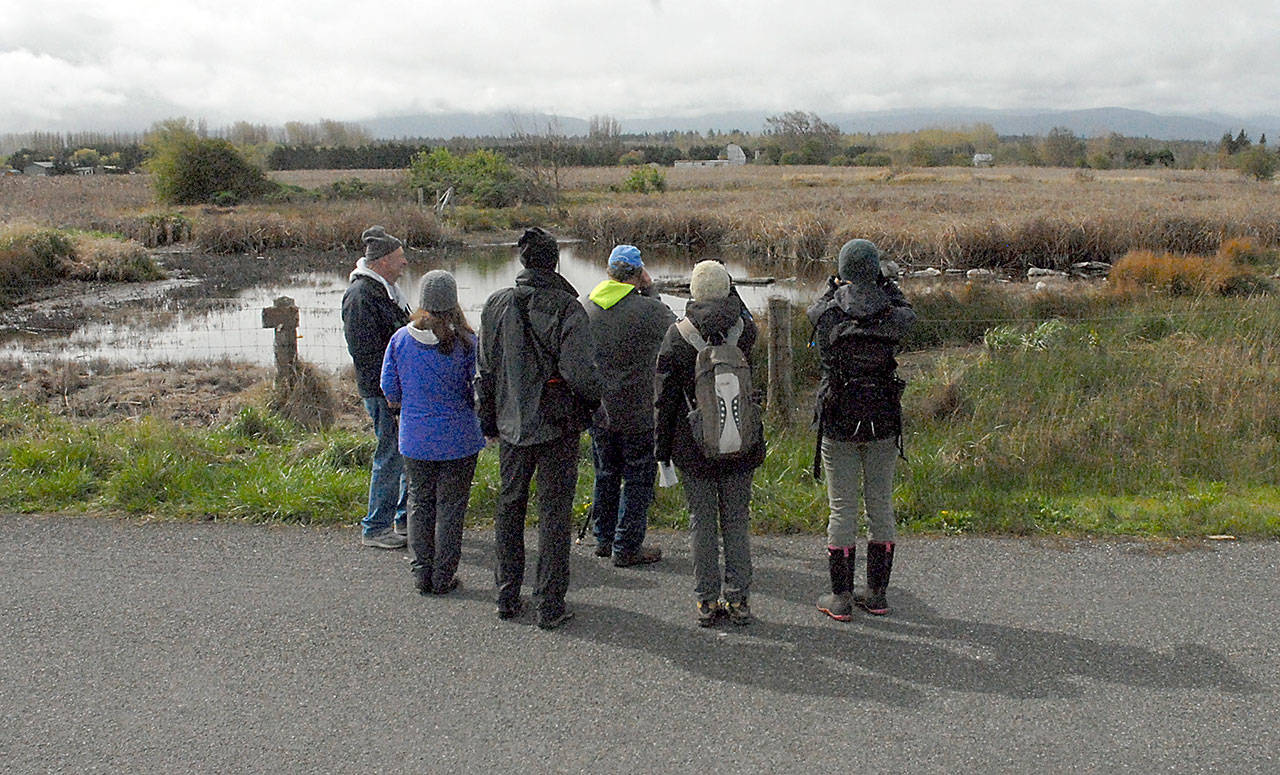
[626, 254]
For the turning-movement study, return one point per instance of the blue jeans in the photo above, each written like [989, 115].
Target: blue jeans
[388, 496]
[625, 471]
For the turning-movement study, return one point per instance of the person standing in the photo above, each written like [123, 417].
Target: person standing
[373, 309]
[858, 324]
[537, 388]
[427, 374]
[718, 491]
[628, 323]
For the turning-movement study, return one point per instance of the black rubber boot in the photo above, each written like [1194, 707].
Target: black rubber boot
[422, 580]
[879, 568]
[839, 604]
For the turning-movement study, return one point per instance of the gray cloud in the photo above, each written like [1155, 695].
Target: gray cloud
[68, 62]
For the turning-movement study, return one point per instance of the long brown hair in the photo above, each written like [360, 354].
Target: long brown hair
[449, 327]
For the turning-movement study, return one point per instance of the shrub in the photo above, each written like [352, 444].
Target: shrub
[99, 257]
[643, 180]
[1182, 275]
[481, 177]
[31, 256]
[1257, 162]
[188, 169]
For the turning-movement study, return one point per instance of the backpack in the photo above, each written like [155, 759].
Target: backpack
[723, 417]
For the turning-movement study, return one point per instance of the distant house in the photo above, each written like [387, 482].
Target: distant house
[38, 168]
[983, 160]
[734, 157]
[86, 170]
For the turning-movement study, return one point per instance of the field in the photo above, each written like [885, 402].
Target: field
[1141, 406]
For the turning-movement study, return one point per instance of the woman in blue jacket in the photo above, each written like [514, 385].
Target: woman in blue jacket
[427, 375]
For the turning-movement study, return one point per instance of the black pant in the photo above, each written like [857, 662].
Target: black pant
[438, 495]
[556, 466]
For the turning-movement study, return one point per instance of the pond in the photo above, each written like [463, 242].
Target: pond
[191, 327]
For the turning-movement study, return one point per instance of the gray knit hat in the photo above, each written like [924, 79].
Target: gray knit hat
[859, 261]
[439, 291]
[377, 243]
[709, 280]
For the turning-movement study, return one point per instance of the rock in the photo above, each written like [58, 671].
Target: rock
[980, 274]
[1036, 271]
[929, 272]
[1090, 269]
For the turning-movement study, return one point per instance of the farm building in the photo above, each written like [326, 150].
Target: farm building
[38, 168]
[734, 157]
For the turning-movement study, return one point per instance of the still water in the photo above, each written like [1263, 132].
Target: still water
[234, 330]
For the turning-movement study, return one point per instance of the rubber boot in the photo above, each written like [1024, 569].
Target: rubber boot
[839, 604]
[879, 568]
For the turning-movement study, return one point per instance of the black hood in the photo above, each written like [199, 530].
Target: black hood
[713, 317]
[533, 277]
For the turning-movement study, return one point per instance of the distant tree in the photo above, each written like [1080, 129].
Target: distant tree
[189, 169]
[19, 159]
[798, 132]
[1061, 148]
[1257, 162]
[86, 157]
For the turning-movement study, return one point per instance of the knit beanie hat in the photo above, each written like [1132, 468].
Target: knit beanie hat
[709, 280]
[377, 243]
[626, 255]
[859, 261]
[538, 249]
[439, 291]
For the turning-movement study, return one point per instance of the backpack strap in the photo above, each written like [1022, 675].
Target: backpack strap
[690, 333]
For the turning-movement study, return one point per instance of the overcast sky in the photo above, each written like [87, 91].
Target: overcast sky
[67, 65]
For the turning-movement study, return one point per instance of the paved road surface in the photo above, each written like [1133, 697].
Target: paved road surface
[185, 648]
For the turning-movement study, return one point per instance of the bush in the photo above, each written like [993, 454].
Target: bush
[1183, 275]
[31, 256]
[188, 169]
[482, 178]
[106, 258]
[643, 180]
[1257, 162]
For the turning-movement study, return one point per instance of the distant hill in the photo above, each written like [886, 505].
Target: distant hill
[1087, 123]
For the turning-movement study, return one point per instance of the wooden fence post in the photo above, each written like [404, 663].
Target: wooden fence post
[283, 317]
[781, 395]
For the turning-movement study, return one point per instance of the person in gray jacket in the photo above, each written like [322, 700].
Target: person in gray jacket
[536, 391]
[628, 323]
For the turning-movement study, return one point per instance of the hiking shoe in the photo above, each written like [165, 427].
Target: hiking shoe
[510, 610]
[604, 550]
[386, 538]
[422, 582]
[642, 556]
[872, 601]
[401, 528]
[708, 612]
[739, 613]
[551, 622]
[446, 588]
[837, 606]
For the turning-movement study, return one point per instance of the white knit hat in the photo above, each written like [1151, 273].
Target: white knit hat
[709, 280]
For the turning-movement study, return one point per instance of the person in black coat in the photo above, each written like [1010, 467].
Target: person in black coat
[858, 323]
[373, 309]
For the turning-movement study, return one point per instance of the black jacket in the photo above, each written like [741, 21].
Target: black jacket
[509, 390]
[369, 318]
[857, 328]
[627, 335]
[673, 439]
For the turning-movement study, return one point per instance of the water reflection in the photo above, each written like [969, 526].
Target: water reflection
[233, 329]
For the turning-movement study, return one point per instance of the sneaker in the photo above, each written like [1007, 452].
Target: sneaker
[708, 612]
[552, 622]
[445, 588]
[604, 550]
[739, 613]
[510, 610]
[837, 606]
[401, 528]
[383, 539]
[642, 556]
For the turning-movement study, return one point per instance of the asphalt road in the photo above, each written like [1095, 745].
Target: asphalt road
[191, 648]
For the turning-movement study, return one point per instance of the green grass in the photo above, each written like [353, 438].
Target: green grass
[1160, 417]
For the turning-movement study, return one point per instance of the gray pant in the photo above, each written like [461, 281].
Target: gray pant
[720, 505]
[859, 471]
[438, 494]
[555, 464]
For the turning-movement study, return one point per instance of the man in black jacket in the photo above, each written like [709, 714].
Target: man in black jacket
[536, 389]
[628, 322]
[373, 308]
